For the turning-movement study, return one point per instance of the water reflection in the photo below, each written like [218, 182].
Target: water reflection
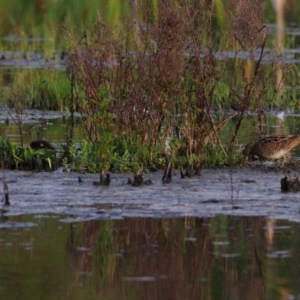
[277, 122]
[223, 257]
[50, 125]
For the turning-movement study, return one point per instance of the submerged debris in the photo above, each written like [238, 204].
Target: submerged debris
[148, 182]
[5, 190]
[190, 172]
[103, 180]
[138, 180]
[290, 184]
[167, 178]
[248, 181]
[6, 194]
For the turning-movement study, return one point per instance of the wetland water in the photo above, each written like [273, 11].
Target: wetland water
[217, 236]
[146, 258]
[227, 234]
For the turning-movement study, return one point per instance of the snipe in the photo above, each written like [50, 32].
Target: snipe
[272, 147]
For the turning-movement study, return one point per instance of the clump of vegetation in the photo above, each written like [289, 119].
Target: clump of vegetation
[152, 93]
[15, 156]
[156, 91]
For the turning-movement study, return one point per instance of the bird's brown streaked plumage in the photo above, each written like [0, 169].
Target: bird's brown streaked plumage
[273, 147]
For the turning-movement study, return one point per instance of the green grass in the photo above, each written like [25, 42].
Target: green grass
[29, 19]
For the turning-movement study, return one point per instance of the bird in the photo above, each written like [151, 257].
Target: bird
[41, 144]
[272, 147]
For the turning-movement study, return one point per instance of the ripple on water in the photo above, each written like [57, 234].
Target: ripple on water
[16, 224]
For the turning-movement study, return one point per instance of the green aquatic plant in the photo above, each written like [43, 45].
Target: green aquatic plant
[121, 163]
[42, 159]
[81, 157]
[15, 156]
[9, 154]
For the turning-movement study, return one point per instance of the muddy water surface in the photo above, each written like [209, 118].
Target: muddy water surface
[218, 236]
[227, 234]
[252, 191]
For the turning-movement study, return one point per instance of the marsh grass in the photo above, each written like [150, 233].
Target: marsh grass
[35, 89]
[38, 19]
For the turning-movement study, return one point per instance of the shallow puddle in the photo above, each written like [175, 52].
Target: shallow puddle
[223, 257]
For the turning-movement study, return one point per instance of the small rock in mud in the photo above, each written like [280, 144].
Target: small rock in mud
[211, 201]
[148, 182]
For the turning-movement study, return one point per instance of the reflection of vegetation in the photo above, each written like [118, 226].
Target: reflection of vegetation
[218, 257]
[106, 262]
[223, 257]
[34, 89]
[41, 18]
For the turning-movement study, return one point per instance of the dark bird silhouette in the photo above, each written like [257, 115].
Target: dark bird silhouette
[41, 144]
